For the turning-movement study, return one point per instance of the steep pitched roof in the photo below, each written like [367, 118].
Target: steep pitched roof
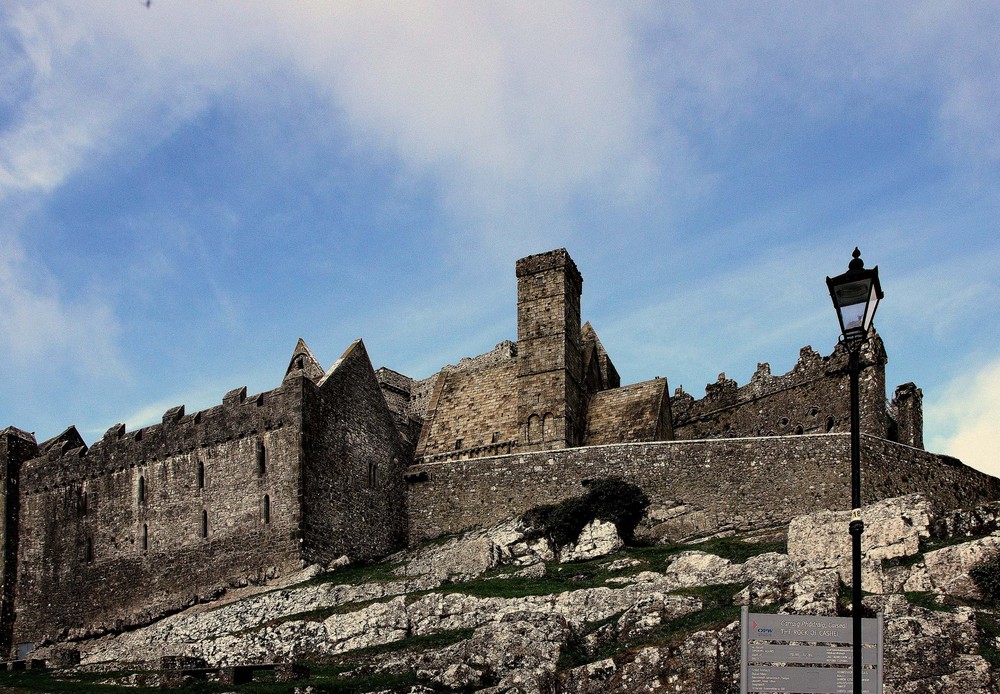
[639, 412]
[66, 441]
[304, 362]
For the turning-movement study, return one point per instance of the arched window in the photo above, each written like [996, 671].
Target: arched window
[204, 523]
[142, 489]
[534, 428]
[547, 427]
[267, 509]
[201, 475]
[798, 429]
[261, 458]
[830, 423]
[145, 537]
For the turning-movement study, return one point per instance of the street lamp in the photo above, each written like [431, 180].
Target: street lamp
[856, 295]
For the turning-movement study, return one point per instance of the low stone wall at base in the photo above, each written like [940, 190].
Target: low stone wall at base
[697, 487]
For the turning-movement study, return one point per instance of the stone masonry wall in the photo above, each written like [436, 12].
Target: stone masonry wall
[551, 403]
[471, 413]
[639, 412]
[697, 487]
[144, 522]
[814, 397]
[16, 446]
[353, 490]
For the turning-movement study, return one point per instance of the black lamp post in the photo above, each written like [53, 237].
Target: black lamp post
[855, 295]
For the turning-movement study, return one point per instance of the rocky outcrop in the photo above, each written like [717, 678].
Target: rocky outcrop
[648, 620]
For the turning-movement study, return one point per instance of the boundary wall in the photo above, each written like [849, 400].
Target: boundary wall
[697, 487]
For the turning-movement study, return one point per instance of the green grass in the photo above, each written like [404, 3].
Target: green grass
[989, 631]
[717, 611]
[927, 601]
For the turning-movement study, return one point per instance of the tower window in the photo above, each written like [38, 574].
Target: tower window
[88, 550]
[82, 502]
[458, 444]
[204, 523]
[142, 489]
[201, 474]
[267, 509]
[145, 537]
[261, 458]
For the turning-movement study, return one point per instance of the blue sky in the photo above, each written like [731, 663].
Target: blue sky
[186, 189]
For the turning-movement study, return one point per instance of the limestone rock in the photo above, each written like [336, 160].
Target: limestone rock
[597, 539]
[696, 568]
[893, 528]
[948, 567]
[473, 553]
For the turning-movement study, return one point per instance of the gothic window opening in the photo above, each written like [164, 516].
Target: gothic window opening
[798, 429]
[267, 509]
[145, 537]
[829, 423]
[142, 489]
[201, 474]
[204, 523]
[261, 458]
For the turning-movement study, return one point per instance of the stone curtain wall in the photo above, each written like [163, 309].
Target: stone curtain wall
[696, 487]
[946, 482]
[353, 489]
[204, 476]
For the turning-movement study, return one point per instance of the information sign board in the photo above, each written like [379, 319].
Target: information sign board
[808, 680]
[790, 653]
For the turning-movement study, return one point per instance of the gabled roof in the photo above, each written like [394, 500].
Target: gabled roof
[304, 362]
[66, 441]
[639, 412]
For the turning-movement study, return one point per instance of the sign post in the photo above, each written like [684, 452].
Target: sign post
[806, 654]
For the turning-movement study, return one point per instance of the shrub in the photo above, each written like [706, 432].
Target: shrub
[612, 499]
[986, 576]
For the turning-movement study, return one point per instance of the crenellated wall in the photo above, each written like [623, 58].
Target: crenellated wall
[814, 397]
[143, 522]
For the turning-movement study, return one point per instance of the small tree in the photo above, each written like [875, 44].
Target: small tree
[612, 499]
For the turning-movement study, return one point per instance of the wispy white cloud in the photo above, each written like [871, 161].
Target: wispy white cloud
[969, 415]
[44, 333]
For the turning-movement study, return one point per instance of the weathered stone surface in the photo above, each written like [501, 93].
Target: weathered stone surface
[597, 539]
[473, 553]
[948, 568]
[893, 528]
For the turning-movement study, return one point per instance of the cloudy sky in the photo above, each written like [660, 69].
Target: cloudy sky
[187, 188]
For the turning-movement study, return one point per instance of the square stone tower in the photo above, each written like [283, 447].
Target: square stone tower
[551, 402]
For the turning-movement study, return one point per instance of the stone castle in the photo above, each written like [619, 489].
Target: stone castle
[360, 462]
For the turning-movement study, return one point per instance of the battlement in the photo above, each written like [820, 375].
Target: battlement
[66, 459]
[550, 260]
[812, 397]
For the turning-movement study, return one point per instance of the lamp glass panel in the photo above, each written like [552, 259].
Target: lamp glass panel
[852, 299]
[871, 304]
